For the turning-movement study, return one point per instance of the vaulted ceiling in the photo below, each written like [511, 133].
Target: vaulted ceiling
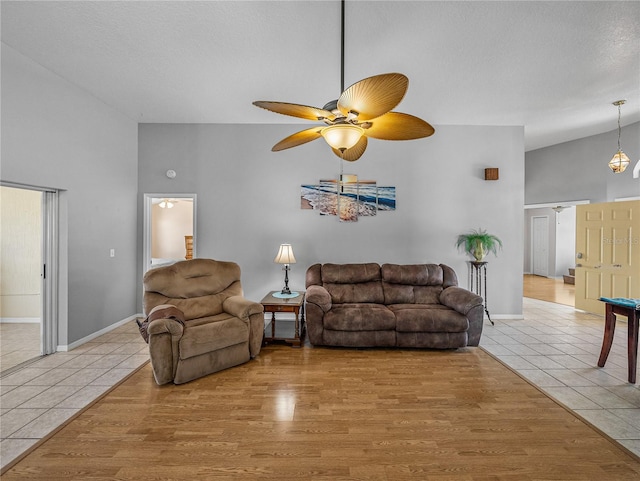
[554, 67]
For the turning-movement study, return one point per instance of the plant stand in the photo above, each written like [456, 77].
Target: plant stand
[479, 274]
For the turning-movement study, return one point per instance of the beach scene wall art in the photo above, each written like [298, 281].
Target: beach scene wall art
[347, 197]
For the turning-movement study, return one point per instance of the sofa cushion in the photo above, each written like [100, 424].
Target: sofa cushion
[212, 333]
[405, 294]
[412, 284]
[356, 293]
[359, 317]
[428, 318]
[348, 283]
[197, 287]
[350, 273]
[413, 274]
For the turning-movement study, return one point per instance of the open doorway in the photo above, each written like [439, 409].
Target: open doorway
[549, 250]
[169, 229]
[28, 291]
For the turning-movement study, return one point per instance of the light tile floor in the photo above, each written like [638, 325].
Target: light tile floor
[19, 342]
[40, 396]
[554, 347]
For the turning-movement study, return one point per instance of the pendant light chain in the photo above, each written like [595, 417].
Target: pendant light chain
[619, 104]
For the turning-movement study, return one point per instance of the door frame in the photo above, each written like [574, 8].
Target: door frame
[533, 256]
[50, 259]
[146, 226]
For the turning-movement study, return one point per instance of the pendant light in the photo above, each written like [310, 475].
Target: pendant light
[620, 161]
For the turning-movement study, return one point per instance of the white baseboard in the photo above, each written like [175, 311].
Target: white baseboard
[20, 320]
[79, 342]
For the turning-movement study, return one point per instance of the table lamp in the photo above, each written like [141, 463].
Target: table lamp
[285, 256]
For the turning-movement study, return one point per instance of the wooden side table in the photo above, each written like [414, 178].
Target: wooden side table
[284, 333]
[633, 316]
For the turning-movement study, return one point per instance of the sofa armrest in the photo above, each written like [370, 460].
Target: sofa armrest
[164, 337]
[459, 299]
[242, 308]
[319, 296]
[253, 314]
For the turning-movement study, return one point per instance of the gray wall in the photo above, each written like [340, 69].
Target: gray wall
[249, 199]
[578, 170]
[56, 135]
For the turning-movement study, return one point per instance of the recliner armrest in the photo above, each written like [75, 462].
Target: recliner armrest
[459, 299]
[242, 308]
[160, 326]
[319, 296]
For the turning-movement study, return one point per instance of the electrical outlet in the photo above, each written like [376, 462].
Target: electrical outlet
[112, 253]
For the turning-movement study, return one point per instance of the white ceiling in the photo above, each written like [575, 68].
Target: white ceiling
[554, 67]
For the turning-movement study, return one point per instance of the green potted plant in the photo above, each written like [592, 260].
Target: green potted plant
[479, 243]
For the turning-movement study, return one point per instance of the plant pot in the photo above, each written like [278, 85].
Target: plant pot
[479, 252]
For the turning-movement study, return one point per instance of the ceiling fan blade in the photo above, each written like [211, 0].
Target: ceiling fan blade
[355, 152]
[374, 96]
[398, 126]
[295, 110]
[298, 138]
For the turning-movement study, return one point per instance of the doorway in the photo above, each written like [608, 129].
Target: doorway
[169, 229]
[540, 246]
[28, 274]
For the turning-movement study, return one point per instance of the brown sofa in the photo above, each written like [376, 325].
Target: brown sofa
[368, 305]
[213, 326]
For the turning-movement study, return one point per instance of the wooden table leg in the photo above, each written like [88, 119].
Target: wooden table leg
[632, 344]
[273, 325]
[609, 329]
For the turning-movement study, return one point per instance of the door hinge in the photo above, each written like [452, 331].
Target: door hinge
[44, 271]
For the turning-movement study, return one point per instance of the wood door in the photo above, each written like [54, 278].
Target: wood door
[607, 253]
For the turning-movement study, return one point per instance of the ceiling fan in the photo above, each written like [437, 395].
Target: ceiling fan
[363, 111]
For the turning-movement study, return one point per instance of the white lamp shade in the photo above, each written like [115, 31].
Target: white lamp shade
[285, 255]
[619, 162]
[342, 136]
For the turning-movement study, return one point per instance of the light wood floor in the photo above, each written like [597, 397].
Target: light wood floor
[332, 414]
[550, 290]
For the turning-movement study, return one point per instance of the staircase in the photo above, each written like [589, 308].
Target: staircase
[571, 278]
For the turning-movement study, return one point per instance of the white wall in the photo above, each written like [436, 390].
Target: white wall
[168, 229]
[249, 199]
[20, 253]
[57, 135]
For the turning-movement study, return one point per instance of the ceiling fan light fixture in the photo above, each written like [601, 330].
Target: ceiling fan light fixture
[619, 162]
[166, 204]
[342, 136]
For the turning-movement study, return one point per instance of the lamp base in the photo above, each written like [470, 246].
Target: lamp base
[286, 290]
[279, 295]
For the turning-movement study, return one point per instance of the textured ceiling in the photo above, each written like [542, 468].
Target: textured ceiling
[554, 67]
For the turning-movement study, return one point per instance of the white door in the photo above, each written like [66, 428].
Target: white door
[540, 245]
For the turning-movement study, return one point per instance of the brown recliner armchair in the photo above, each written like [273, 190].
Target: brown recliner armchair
[215, 327]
